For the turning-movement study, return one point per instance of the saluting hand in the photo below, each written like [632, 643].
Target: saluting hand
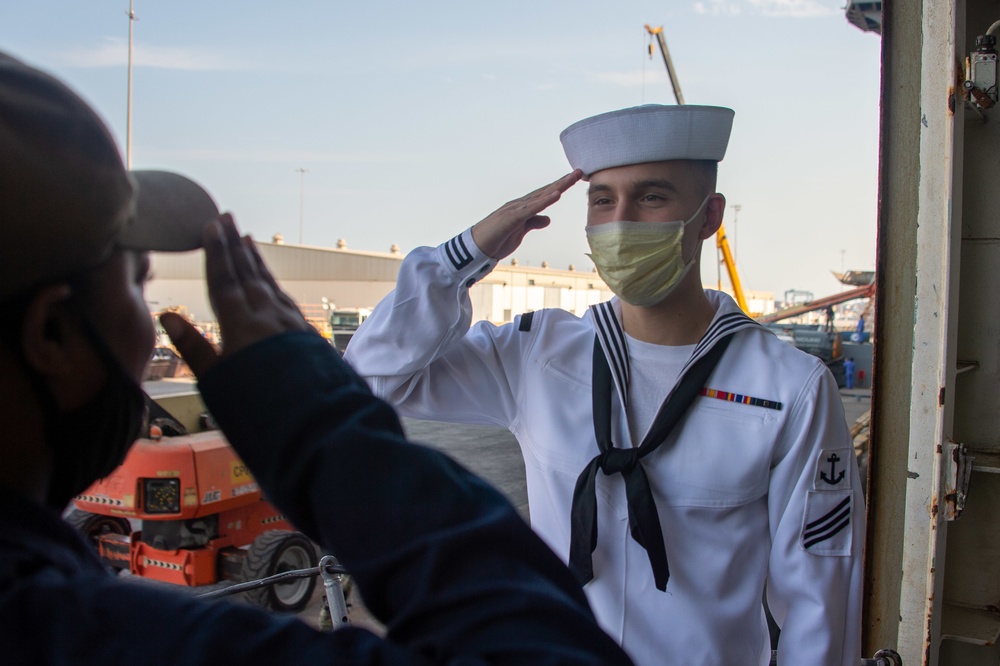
[247, 301]
[502, 231]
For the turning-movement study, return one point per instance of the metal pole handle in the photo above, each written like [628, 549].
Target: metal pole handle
[330, 569]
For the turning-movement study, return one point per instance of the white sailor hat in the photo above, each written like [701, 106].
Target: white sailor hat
[649, 133]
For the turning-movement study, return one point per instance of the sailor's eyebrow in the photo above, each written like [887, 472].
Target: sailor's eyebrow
[659, 183]
[655, 182]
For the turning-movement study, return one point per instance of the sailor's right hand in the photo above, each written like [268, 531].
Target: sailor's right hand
[499, 234]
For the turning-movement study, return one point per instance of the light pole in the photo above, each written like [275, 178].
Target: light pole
[128, 120]
[302, 198]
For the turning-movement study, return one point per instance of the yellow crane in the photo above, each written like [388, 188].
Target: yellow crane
[721, 242]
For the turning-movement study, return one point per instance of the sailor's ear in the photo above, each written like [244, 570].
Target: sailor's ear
[50, 333]
[715, 208]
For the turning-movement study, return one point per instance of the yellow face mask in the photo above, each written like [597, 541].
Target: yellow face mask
[641, 262]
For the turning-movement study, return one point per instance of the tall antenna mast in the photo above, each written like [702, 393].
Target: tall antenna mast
[128, 122]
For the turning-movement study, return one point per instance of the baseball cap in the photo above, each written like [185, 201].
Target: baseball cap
[648, 133]
[66, 199]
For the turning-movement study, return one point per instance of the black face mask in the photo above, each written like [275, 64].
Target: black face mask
[88, 442]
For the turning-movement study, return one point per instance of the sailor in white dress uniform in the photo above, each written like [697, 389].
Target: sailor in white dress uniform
[679, 457]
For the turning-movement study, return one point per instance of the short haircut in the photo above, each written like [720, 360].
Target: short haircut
[707, 172]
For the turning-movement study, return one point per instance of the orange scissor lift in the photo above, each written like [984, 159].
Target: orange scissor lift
[186, 510]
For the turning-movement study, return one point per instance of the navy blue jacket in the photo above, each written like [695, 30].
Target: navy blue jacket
[439, 556]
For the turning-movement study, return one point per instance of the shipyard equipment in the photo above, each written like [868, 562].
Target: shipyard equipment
[722, 243]
[343, 323]
[185, 509]
[821, 341]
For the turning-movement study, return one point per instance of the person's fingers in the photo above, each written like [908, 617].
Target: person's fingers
[501, 232]
[256, 287]
[537, 222]
[242, 262]
[268, 277]
[196, 351]
[225, 291]
[560, 184]
[543, 197]
[567, 181]
[554, 190]
[244, 265]
[531, 204]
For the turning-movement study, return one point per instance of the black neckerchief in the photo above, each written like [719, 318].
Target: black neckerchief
[644, 522]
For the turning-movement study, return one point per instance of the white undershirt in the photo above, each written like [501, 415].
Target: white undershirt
[653, 371]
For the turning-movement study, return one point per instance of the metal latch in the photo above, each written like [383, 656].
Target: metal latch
[957, 475]
[884, 658]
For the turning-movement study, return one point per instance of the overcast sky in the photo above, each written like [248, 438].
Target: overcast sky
[415, 120]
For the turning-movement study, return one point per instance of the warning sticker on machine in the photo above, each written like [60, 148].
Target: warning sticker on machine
[244, 489]
[240, 473]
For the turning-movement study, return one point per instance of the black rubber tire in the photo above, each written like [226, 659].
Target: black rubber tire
[277, 551]
[92, 525]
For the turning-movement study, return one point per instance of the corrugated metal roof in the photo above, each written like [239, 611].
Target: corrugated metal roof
[312, 263]
[296, 262]
[291, 262]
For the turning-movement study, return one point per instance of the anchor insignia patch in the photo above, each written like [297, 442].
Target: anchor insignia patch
[832, 472]
[833, 479]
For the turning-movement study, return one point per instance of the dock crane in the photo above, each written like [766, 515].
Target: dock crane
[721, 241]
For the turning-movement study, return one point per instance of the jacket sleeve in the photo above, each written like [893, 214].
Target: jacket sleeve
[438, 555]
[817, 519]
[418, 352]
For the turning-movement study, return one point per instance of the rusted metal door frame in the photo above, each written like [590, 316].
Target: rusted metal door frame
[919, 231]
